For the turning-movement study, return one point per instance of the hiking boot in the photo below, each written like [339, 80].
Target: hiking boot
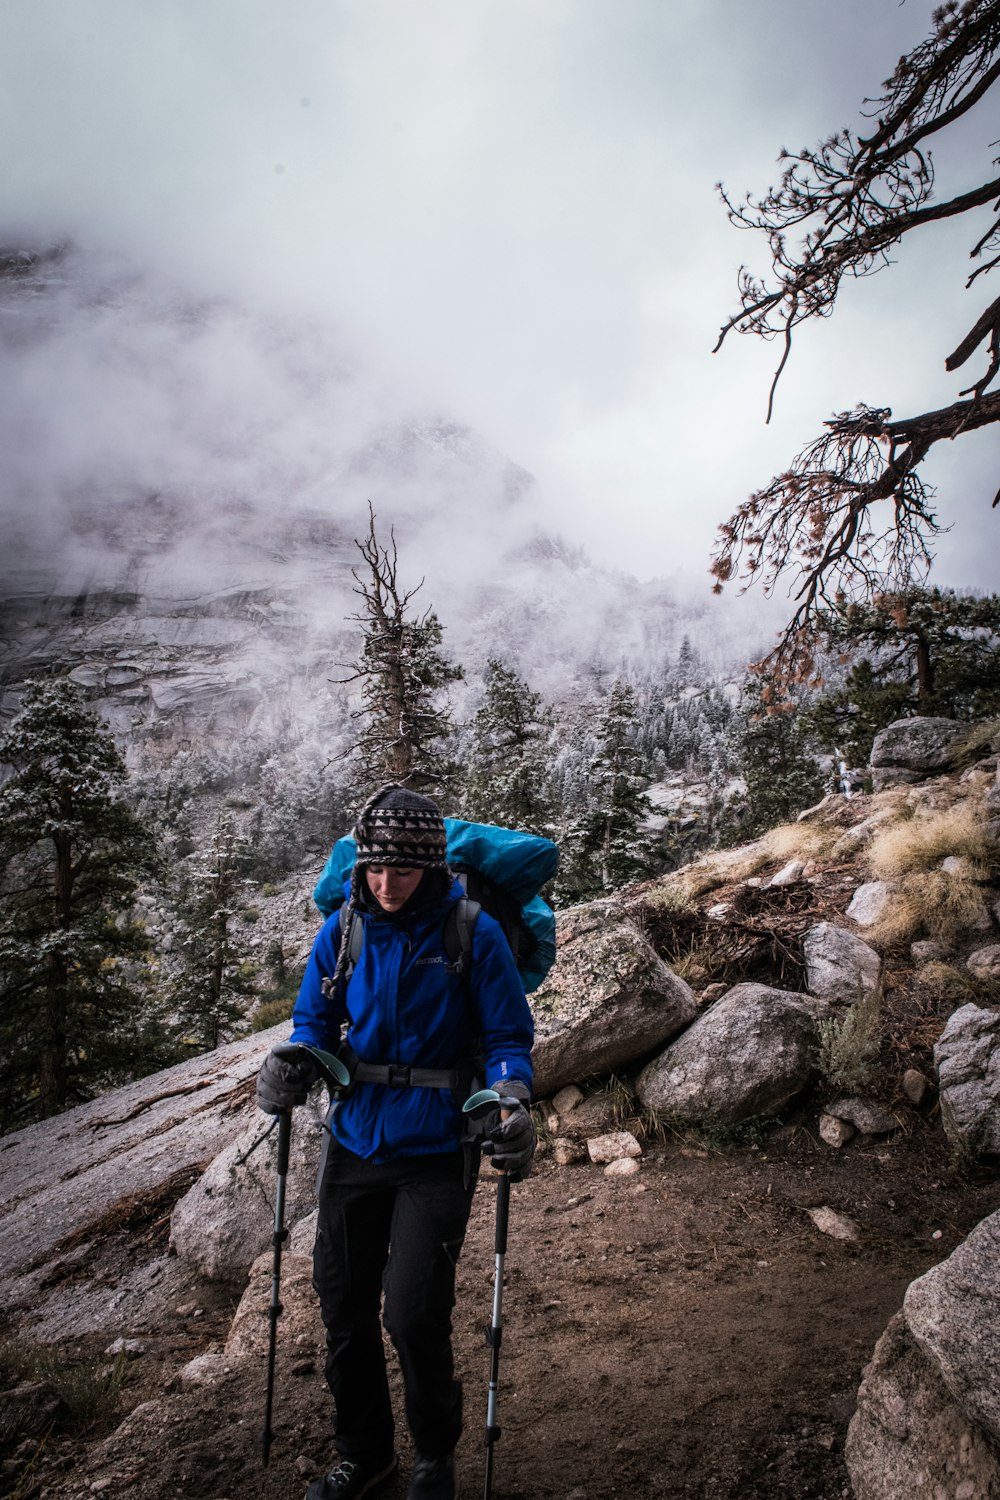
[433, 1479]
[348, 1480]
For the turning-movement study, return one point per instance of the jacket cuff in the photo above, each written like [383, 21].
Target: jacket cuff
[514, 1088]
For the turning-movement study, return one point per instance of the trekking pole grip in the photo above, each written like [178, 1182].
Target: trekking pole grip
[503, 1213]
[284, 1141]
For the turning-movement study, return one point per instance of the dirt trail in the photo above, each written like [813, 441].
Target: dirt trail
[686, 1332]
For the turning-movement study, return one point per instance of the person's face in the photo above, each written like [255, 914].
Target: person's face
[392, 885]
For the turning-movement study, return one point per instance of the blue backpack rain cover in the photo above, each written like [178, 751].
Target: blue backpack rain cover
[518, 864]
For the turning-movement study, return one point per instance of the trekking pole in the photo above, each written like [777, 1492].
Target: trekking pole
[486, 1103]
[335, 1075]
[278, 1239]
[494, 1333]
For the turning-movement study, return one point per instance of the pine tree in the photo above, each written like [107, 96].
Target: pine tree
[209, 995]
[71, 856]
[506, 775]
[403, 672]
[925, 652]
[606, 847]
[780, 774]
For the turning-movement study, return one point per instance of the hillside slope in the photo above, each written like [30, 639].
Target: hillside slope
[687, 1329]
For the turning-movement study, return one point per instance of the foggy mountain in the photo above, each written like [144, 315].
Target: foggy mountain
[184, 483]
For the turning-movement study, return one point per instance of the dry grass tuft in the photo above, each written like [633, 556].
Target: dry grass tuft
[915, 844]
[931, 904]
[983, 738]
[945, 983]
[720, 867]
[800, 841]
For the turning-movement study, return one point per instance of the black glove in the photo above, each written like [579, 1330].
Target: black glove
[513, 1140]
[281, 1083]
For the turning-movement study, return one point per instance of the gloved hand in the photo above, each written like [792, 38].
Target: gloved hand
[281, 1083]
[514, 1139]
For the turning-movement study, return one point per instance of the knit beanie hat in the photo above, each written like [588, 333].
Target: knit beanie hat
[395, 827]
[399, 827]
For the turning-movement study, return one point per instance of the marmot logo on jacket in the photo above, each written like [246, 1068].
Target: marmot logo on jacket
[435, 958]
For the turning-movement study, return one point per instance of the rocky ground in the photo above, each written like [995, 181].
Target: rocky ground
[695, 1328]
[686, 1331]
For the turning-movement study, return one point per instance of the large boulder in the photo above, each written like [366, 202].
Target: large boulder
[299, 1326]
[912, 749]
[609, 1000]
[953, 1312]
[138, 1144]
[226, 1220]
[749, 1055]
[839, 966]
[968, 1063]
[908, 1438]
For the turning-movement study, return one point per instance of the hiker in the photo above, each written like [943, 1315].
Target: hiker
[396, 1184]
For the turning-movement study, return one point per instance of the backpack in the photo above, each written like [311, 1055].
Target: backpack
[502, 871]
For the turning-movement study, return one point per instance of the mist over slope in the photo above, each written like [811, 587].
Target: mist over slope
[185, 482]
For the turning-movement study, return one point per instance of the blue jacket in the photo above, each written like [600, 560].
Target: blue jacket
[405, 1005]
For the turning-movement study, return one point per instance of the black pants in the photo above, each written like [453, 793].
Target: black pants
[395, 1228]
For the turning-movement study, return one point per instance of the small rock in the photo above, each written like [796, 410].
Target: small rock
[927, 952]
[567, 1099]
[552, 1123]
[624, 1166]
[837, 1226]
[984, 963]
[719, 912]
[565, 1151]
[917, 1087]
[869, 902]
[865, 1116]
[834, 1131]
[204, 1369]
[711, 993]
[613, 1147]
[851, 842]
[305, 1466]
[839, 966]
[131, 1348]
[791, 873]
[98, 1486]
[186, 1309]
[29, 1409]
[303, 1367]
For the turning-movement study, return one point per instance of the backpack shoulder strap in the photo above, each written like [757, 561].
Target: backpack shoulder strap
[459, 925]
[355, 940]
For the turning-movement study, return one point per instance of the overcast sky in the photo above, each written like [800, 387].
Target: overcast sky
[509, 206]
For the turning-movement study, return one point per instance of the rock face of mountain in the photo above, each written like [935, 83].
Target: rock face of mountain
[184, 489]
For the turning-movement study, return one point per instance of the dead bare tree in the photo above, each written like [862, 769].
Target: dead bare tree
[402, 670]
[837, 212]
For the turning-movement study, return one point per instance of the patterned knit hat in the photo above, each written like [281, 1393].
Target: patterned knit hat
[398, 827]
[395, 827]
